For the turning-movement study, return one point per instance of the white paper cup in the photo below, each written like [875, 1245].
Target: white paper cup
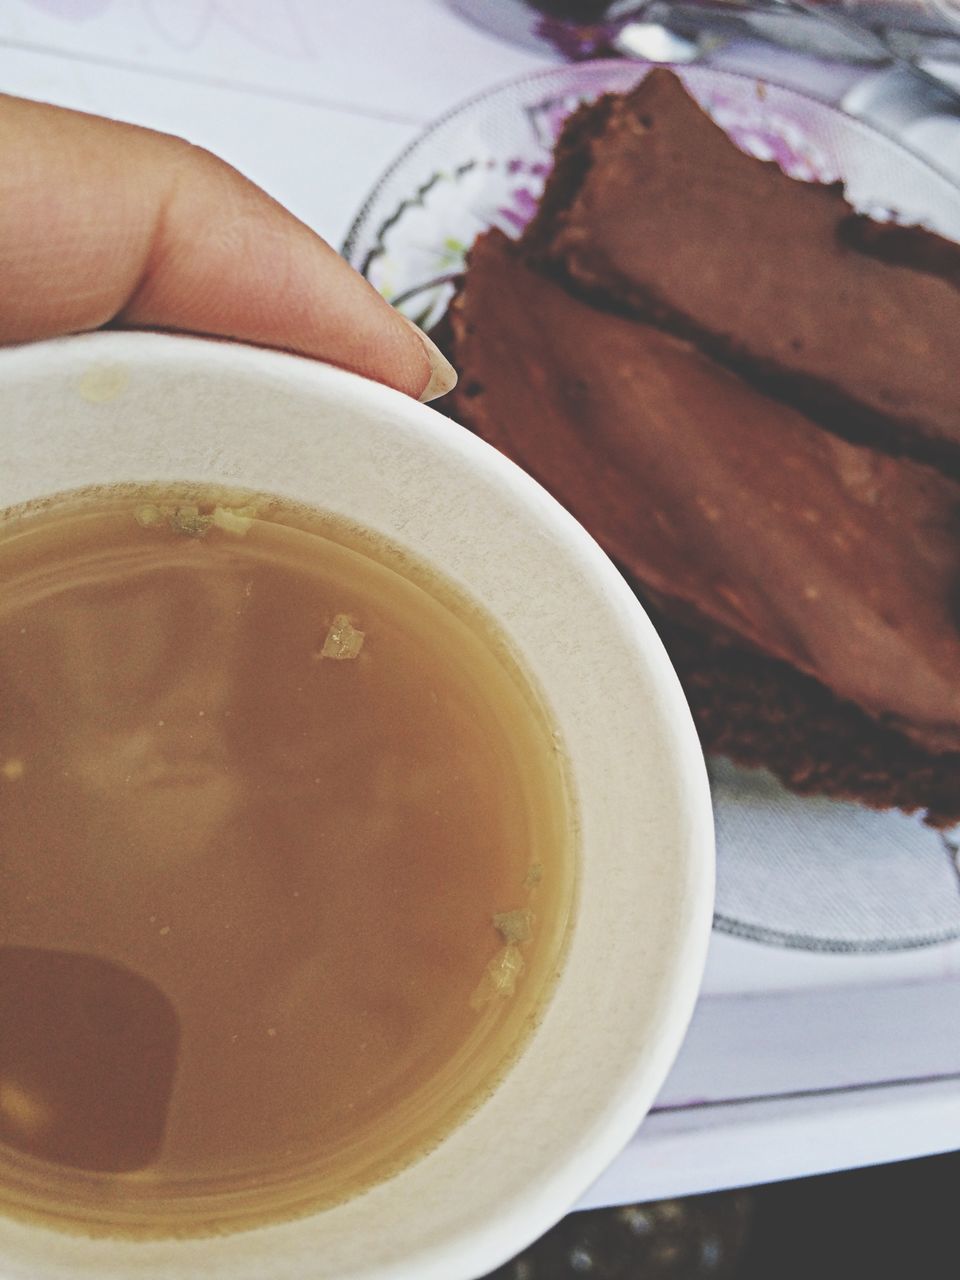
[119, 408]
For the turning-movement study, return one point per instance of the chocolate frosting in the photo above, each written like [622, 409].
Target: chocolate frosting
[727, 505]
[655, 207]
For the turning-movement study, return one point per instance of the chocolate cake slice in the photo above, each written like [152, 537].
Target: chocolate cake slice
[652, 209]
[806, 587]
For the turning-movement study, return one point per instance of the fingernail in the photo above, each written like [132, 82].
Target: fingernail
[443, 376]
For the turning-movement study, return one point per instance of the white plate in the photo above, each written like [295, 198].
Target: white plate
[800, 872]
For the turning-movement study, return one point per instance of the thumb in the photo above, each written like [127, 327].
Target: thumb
[106, 223]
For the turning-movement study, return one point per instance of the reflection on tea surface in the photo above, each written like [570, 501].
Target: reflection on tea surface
[271, 818]
[88, 1054]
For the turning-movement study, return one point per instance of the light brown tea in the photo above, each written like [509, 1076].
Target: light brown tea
[285, 863]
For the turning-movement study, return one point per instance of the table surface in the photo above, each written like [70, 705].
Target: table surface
[796, 1063]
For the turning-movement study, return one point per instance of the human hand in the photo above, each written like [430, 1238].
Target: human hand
[104, 223]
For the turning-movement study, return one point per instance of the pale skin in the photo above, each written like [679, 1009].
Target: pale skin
[107, 224]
